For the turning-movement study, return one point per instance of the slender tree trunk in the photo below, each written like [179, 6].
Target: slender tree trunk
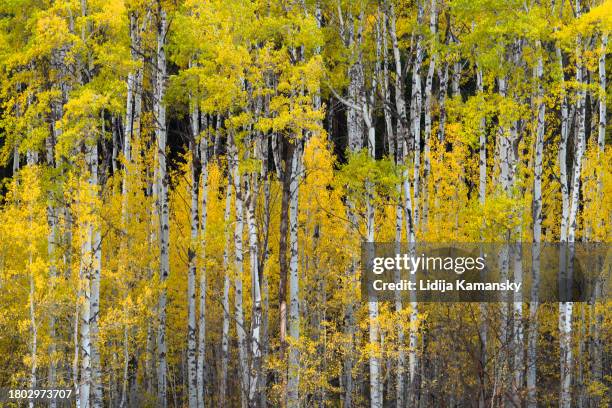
[192, 367]
[238, 291]
[90, 393]
[428, 103]
[355, 92]
[129, 131]
[376, 394]
[282, 253]
[225, 300]
[202, 311]
[395, 152]
[456, 80]
[251, 202]
[517, 255]
[601, 139]
[131, 85]
[284, 222]
[293, 381]
[518, 335]
[401, 354]
[85, 295]
[443, 75]
[126, 365]
[563, 142]
[376, 382]
[597, 316]
[32, 302]
[52, 220]
[386, 93]
[161, 133]
[482, 194]
[532, 341]
[566, 308]
[412, 204]
[401, 139]
[264, 279]
[150, 359]
[75, 359]
[97, 396]
[350, 329]
[15, 159]
[400, 103]
[506, 181]
[415, 118]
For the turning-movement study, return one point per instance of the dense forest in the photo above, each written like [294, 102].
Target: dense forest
[187, 184]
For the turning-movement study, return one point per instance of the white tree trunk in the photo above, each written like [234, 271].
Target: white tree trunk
[428, 103]
[386, 93]
[192, 368]
[75, 359]
[412, 219]
[355, 89]
[410, 236]
[400, 103]
[293, 381]
[415, 118]
[15, 159]
[395, 151]
[376, 385]
[518, 335]
[566, 308]
[97, 396]
[596, 350]
[456, 80]
[482, 194]
[85, 289]
[251, 202]
[517, 254]
[506, 181]
[202, 311]
[131, 85]
[161, 133]
[601, 139]
[52, 220]
[238, 290]
[532, 341]
[32, 304]
[401, 139]
[225, 300]
[563, 151]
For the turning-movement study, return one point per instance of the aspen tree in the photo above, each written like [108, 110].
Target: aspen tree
[161, 133]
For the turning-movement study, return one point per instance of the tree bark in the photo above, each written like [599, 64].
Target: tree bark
[293, 400]
[601, 138]
[254, 371]
[161, 133]
[192, 368]
[52, 220]
[566, 308]
[202, 260]
[415, 118]
[225, 301]
[443, 75]
[238, 291]
[482, 194]
[532, 341]
[288, 152]
[428, 103]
